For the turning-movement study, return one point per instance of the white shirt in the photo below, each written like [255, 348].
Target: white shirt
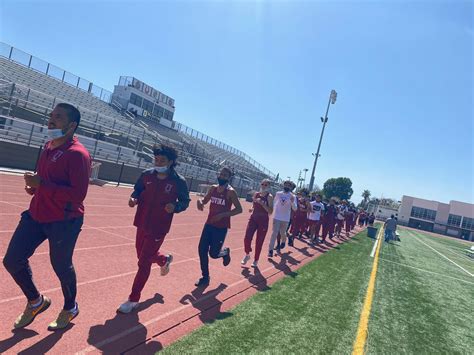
[316, 209]
[282, 206]
[342, 211]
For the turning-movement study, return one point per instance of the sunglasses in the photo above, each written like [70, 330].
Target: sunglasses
[264, 184]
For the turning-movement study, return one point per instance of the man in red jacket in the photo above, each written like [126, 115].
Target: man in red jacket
[159, 193]
[56, 213]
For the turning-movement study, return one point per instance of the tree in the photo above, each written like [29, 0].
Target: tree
[340, 187]
[366, 195]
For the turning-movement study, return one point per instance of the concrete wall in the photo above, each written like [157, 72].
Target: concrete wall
[405, 209]
[462, 209]
[24, 157]
[442, 214]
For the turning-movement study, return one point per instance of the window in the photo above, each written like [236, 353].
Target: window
[468, 223]
[423, 213]
[158, 111]
[454, 220]
[147, 105]
[136, 100]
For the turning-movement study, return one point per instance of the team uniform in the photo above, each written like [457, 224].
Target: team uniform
[341, 216]
[314, 218]
[214, 233]
[258, 222]
[299, 220]
[153, 222]
[349, 217]
[329, 221]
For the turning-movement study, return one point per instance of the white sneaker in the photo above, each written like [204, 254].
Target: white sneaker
[245, 259]
[255, 263]
[165, 269]
[127, 307]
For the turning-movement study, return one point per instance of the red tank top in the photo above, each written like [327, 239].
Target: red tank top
[258, 210]
[219, 203]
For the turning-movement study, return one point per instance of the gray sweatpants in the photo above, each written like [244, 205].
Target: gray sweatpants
[278, 227]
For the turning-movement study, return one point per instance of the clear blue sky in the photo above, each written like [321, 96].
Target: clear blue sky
[257, 76]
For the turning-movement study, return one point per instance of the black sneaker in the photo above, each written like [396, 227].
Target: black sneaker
[226, 257]
[290, 241]
[203, 281]
[270, 253]
[282, 246]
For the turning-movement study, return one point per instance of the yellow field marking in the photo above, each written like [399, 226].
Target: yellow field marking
[362, 329]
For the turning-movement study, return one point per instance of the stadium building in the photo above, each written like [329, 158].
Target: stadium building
[118, 128]
[454, 218]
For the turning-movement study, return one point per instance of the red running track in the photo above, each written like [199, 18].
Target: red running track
[105, 262]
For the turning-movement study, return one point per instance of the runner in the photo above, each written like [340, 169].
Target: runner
[283, 203]
[314, 217]
[262, 208]
[221, 197]
[300, 216]
[330, 219]
[56, 213]
[160, 192]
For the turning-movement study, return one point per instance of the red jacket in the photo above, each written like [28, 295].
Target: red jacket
[64, 173]
[153, 195]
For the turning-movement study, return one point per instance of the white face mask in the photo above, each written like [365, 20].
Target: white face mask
[55, 133]
[161, 169]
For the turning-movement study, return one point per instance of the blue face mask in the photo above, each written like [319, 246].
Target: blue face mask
[55, 133]
[161, 169]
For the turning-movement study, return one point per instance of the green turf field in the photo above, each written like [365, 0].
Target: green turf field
[423, 303]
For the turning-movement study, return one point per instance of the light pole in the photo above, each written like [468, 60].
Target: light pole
[304, 179]
[332, 100]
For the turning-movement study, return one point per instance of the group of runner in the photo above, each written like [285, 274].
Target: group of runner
[56, 212]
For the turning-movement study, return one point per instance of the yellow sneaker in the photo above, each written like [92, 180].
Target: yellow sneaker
[64, 318]
[30, 313]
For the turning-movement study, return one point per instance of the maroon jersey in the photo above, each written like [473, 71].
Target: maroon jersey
[330, 215]
[153, 195]
[258, 210]
[64, 172]
[301, 212]
[219, 203]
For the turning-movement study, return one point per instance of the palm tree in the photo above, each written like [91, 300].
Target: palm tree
[366, 194]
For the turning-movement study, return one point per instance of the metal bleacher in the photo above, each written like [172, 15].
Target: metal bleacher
[28, 95]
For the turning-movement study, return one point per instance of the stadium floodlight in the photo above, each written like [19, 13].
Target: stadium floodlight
[324, 120]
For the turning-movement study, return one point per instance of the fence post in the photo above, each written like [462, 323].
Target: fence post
[31, 134]
[120, 176]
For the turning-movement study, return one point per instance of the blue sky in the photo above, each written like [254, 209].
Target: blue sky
[257, 75]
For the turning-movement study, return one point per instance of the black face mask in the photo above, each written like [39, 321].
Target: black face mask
[286, 189]
[222, 182]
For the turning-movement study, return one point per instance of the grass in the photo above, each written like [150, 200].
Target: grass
[422, 304]
[316, 310]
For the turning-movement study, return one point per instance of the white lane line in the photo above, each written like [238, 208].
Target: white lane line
[377, 241]
[93, 281]
[437, 252]
[427, 271]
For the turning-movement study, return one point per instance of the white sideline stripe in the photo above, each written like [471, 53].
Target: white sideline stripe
[372, 254]
[92, 281]
[437, 252]
[427, 271]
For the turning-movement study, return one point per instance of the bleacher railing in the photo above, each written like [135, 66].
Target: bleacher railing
[53, 71]
[206, 139]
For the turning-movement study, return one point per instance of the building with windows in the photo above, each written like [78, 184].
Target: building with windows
[143, 100]
[454, 218]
